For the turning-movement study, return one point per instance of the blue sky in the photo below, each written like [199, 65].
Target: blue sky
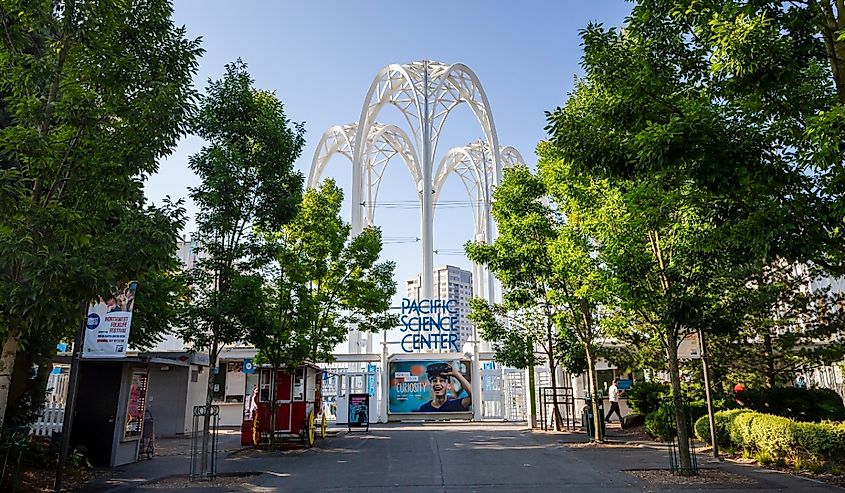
[321, 57]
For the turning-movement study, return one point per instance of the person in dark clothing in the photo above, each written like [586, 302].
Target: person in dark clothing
[439, 376]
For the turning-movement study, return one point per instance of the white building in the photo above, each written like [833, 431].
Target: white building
[450, 283]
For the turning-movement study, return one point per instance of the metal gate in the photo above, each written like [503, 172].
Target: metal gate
[493, 405]
[516, 406]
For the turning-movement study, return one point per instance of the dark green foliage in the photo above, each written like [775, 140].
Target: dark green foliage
[248, 182]
[645, 397]
[92, 95]
[796, 403]
[660, 425]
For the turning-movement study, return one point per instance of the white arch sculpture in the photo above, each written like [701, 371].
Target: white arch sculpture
[473, 165]
[383, 143]
[425, 92]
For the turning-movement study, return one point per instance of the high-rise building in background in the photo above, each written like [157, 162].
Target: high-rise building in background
[450, 283]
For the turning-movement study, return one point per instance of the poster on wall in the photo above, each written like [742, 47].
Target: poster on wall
[359, 411]
[108, 323]
[431, 386]
[136, 405]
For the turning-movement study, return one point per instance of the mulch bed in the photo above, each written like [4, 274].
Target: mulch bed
[34, 480]
[706, 476]
[235, 482]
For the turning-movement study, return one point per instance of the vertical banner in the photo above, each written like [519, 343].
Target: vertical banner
[433, 386]
[108, 323]
[371, 378]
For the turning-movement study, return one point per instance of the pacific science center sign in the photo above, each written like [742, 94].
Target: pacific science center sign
[429, 324]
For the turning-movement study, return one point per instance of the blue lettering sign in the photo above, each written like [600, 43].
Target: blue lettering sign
[430, 324]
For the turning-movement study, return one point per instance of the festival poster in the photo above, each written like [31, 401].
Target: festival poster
[432, 386]
[108, 324]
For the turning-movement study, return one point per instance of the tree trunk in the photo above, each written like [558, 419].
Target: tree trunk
[771, 377]
[7, 365]
[594, 393]
[273, 377]
[553, 369]
[678, 404]
[209, 397]
[531, 390]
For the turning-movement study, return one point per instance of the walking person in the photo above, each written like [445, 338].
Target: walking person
[613, 396]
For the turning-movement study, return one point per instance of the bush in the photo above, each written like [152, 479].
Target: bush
[796, 403]
[776, 436]
[724, 421]
[644, 397]
[659, 425]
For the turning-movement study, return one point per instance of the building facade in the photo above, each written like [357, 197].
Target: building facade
[450, 283]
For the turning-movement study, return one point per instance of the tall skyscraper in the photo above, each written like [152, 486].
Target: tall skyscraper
[450, 283]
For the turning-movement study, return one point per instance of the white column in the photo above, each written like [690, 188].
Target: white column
[385, 384]
[427, 213]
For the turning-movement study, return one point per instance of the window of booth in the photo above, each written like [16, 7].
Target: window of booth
[235, 381]
[264, 385]
[299, 385]
[229, 382]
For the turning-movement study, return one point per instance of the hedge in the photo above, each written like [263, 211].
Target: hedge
[775, 435]
[660, 426]
[724, 420]
[796, 403]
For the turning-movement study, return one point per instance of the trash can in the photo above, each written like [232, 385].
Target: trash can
[587, 420]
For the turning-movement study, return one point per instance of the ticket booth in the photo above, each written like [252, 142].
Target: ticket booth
[297, 411]
[109, 415]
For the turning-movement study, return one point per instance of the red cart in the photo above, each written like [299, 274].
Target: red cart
[298, 406]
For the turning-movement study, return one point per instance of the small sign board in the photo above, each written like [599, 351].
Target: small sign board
[690, 347]
[359, 411]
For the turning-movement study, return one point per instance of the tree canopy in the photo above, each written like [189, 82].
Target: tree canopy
[92, 95]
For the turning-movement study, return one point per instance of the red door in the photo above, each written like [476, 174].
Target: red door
[284, 395]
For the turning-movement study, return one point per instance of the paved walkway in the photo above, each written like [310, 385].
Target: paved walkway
[445, 457]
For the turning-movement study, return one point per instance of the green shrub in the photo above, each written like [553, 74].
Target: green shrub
[697, 409]
[724, 420]
[739, 430]
[659, 425]
[796, 403]
[644, 397]
[702, 429]
[777, 437]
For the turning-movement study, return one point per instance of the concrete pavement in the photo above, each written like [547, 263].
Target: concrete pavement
[444, 457]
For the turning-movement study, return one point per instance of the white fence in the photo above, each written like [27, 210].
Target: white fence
[50, 420]
[53, 415]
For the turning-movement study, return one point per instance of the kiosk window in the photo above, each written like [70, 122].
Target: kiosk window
[299, 385]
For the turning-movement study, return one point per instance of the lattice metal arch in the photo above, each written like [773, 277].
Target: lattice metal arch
[425, 93]
[383, 143]
[473, 165]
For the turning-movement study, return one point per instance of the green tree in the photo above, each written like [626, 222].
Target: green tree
[516, 333]
[547, 267]
[725, 118]
[248, 184]
[92, 94]
[320, 282]
[790, 322]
